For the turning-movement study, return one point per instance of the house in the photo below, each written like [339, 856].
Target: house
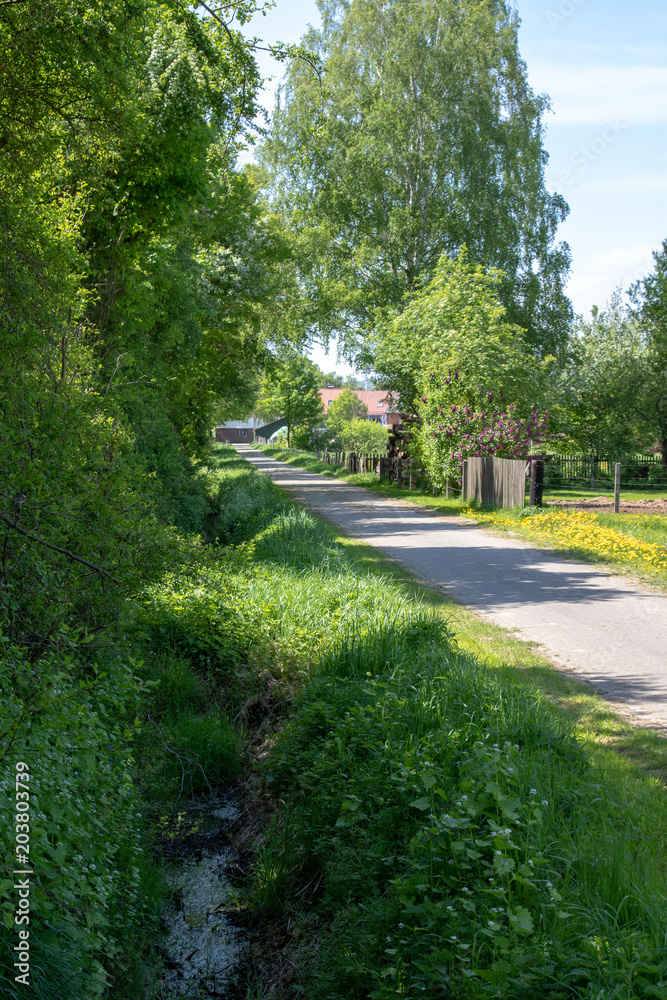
[378, 404]
[237, 431]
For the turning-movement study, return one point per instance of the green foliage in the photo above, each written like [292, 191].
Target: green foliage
[597, 390]
[453, 347]
[348, 430]
[71, 719]
[241, 503]
[203, 754]
[290, 390]
[421, 134]
[650, 403]
[457, 321]
[341, 381]
[365, 437]
[345, 407]
[198, 622]
[79, 526]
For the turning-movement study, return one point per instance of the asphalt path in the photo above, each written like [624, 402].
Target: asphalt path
[606, 628]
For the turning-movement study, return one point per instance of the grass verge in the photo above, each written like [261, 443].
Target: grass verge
[455, 817]
[625, 543]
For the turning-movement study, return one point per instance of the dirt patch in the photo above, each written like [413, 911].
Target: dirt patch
[605, 505]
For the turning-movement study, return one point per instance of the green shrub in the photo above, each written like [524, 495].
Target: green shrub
[198, 619]
[71, 721]
[241, 500]
[178, 688]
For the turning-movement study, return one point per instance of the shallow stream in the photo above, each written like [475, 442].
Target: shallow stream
[203, 949]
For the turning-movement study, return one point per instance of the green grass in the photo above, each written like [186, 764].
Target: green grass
[417, 735]
[592, 537]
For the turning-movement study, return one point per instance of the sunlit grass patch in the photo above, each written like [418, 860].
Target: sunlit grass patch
[628, 541]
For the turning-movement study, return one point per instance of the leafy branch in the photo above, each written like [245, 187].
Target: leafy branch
[58, 548]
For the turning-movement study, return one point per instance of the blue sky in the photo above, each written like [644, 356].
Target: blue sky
[603, 64]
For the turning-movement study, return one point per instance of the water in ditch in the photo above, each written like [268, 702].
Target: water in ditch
[203, 949]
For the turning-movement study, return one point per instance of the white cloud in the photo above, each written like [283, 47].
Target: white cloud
[583, 94]
[631, 187]
[596, 276]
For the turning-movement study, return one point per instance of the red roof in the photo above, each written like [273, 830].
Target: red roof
[375, 400]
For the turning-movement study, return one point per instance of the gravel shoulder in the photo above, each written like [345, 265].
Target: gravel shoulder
[607, 629]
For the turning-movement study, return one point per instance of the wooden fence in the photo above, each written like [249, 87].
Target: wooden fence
[497, 481]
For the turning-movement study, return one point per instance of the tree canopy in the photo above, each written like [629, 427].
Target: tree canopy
[290, 389]
[596, 389]
[420, 135]
[347, 406]
[651, 400]
[457, 321]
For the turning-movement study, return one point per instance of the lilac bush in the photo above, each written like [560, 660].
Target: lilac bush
[460, 421]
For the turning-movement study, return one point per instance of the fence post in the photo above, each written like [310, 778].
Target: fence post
[536, 482]
[464, 480]
[592, 472]
[447, 488]
[382, 472]
[617, 488]
[412, 482]
[399, 473]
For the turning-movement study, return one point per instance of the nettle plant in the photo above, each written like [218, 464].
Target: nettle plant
[477, 883]
[460, 421]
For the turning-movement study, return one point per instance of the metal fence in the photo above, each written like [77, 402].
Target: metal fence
[589, 471]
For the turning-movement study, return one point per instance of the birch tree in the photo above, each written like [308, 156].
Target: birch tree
[420, 134]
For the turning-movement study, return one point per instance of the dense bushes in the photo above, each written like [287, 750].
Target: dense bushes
[71, 720]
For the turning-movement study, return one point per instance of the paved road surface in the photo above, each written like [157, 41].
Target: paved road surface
[607, 629]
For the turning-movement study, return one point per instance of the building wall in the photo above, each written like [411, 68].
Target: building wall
[235, 435]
